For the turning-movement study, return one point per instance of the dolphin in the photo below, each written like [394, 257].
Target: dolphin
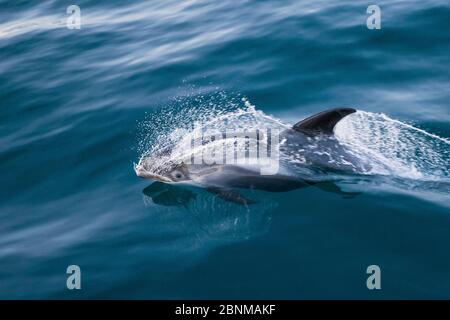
[312, 139]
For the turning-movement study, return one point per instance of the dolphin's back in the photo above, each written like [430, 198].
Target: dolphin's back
[312, 141]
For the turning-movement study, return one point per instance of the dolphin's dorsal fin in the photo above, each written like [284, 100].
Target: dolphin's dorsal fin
[323, 122]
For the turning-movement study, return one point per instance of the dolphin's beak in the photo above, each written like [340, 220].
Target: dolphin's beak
[143, 173]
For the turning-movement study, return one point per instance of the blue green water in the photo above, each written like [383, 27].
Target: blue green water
[79, 107]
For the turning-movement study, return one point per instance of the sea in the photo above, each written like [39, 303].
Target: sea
[88, 88]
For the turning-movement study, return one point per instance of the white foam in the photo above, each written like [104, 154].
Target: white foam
[219, 114]
[395, 148]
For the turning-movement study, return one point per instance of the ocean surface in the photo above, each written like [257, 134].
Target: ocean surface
[79, 107]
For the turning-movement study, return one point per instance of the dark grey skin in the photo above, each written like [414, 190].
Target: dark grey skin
[312, 139]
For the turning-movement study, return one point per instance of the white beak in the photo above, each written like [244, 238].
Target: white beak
[143, 173]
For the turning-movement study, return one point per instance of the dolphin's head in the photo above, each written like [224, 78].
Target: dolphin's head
[172, 173]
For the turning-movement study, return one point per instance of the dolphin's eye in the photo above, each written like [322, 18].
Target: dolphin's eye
[177, 174]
